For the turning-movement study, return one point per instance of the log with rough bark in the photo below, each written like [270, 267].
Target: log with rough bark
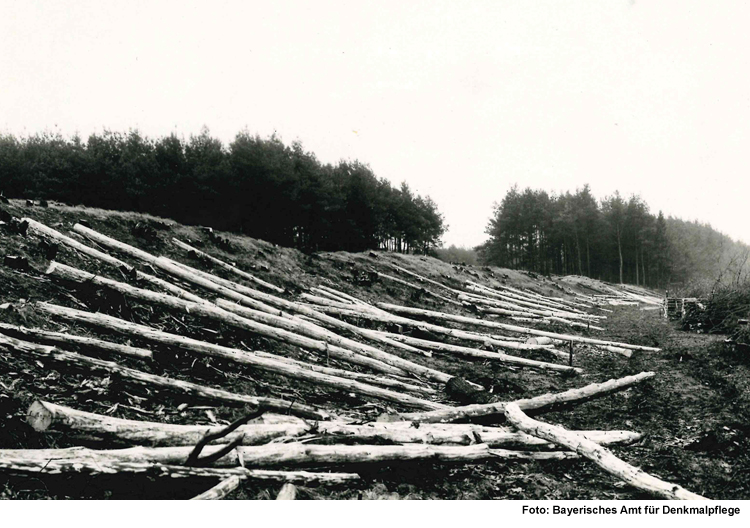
[227, 266]
[44, 231]
[537, 404]
[232, 290]
[45, 416]
[222, 489]
[63, 358]
[601, 456]
[60, 338]
[214, 312]
[483, 354]
[279, 455]
[513, 328]
[268, 364]
[287, 492]
[82, 460]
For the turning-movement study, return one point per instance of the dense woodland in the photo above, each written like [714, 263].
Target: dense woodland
[615, 239]
[254, 186]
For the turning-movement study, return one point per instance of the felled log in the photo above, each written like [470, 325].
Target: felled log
[601, 456]
[227, 266]
[268, 364]
[82, 460]
[425, 279]
[463, 335]
[42, 230]
[277, 455]
[17, 346]
[60, 338]
[298, 326]
[45, 416]
[214, 312]
[537, 404]
[223, 488]
[358, 376]
[492, 324]
[522, 300]
[287, 492]
[418, 288]
[483, 354]
[242, 294]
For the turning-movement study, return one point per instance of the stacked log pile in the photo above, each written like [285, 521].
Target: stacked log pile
[341, 345]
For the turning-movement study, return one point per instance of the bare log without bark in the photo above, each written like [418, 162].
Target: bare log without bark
[214, 312]
[266, 363]
[238, 292]
[16, 346]
[228, 267]
[375, 358]
[288, 492]
[45, 416]
[60, 338]
[483, 354]
[601, 456]
[83, 460]
[278, 455]
[222, 489]
[537, 404]
[464, 335]
[503, 326]
[43, 230]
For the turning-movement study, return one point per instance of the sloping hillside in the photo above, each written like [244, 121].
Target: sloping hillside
[692, 434]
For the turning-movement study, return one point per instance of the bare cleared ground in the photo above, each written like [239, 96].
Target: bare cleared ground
[694, 413]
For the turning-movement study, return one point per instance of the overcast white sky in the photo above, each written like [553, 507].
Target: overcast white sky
[459, 99]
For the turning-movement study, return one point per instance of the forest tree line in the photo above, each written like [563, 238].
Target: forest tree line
[256, 186]
[615, 239]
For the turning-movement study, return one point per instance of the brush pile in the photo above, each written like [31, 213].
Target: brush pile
[336, 385]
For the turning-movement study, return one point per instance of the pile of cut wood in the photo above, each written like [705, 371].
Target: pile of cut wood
[290, 441]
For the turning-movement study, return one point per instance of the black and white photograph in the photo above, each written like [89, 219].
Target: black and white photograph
[395, 251]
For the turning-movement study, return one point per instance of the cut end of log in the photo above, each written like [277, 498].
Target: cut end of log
[39, 417]
[288, 492]
[51, 268]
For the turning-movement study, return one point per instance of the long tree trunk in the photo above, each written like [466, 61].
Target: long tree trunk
[243, 294]
[599, 455]
[394, 363]
[537, 404]
[45, 416]
[268, 364]
[43, 230]
[483, 354]
[81, 460]
[282, 455]
[503, 326]
[228, 267]
[16, 346]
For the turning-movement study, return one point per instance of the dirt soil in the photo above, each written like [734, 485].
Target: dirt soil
[694, 414]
